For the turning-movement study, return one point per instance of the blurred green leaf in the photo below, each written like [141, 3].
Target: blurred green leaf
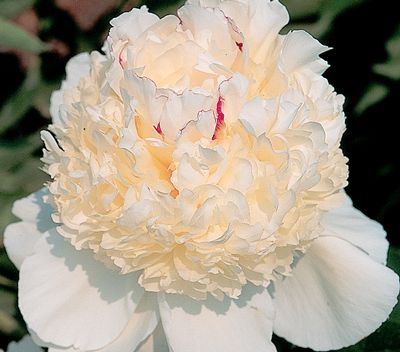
[12, 8]
[334, 7]
[301, 9]
[16, 181]
[20, 102]
[393, 45]
[12, 154]
[374, 93]
[42, 98]
[391, 68]
[164, 7]
[14, 37]
[325, 10]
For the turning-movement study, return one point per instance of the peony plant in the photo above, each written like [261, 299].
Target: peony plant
[196, 200]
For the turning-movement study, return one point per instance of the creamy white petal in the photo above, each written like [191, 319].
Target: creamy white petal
[243, 325]
[26, 344]
[19, 240]
[130, 25]
[258, 115]
[260, 21]
[352, 225]
[156, 342]
[336, 296]
[139, 330]
[300, 49]
[20, 237]
[142, 323]
[77, 67]
[32, 207]
[65, 295]
[180, 109]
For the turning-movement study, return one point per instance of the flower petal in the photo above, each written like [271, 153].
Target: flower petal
[243, 325]
[156, 342]
[76, 294]
[19, 240]
[130, 25]
[20, 237]
[141, 326]
[77, 67]
[336, 296]
[299, 50]
[260, 21]
[33, 207]
[352, 225]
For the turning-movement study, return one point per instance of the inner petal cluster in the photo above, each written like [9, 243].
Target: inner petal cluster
[197, 150]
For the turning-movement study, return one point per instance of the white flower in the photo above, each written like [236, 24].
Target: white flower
[196, 199]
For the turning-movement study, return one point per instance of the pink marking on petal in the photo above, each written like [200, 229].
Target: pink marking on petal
[158, 129]
[220, 118]
[121, 60]
[239, 45]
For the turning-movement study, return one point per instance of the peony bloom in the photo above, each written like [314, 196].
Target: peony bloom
[196, 198]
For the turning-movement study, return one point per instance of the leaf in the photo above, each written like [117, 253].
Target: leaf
[334, 7]
[12, 8]
[374, 93]
[13, 154]
[325, 12]
[42, 98]
[390, 69]
[14, 37]
[302, 9]
[27, 178]
[20, 102]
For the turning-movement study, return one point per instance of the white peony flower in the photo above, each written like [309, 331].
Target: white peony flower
[196, 198]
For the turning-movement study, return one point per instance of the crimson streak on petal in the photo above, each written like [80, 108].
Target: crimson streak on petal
[220, 118]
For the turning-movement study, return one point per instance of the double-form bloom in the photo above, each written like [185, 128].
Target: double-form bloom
[196, 198]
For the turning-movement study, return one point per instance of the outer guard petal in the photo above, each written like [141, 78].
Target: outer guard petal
[336, 296]
[353, 226]
[156, 342]
[242, 325]
[68, 299]
[21, 237]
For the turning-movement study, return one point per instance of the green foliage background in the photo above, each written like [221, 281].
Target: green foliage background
[365, 35]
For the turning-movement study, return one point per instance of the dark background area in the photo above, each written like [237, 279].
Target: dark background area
[365, 67]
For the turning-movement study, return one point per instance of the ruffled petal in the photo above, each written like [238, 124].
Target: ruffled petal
[336, 296]
[352, 225]
[299, 50]
[243, 325]
[77, 67]
[21, 237]
[130, 25]
[68, 299]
